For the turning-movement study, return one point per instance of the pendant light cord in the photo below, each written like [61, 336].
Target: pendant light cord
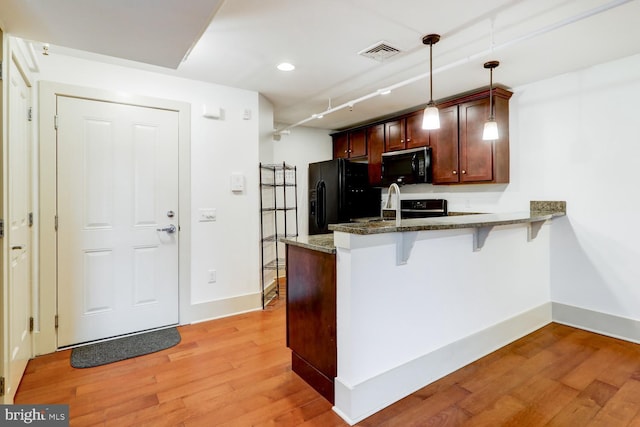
[492, 117]
[431, 39]
[430, 73]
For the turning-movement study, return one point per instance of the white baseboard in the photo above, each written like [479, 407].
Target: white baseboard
[595, 321]
[217, 309]
[356, 402]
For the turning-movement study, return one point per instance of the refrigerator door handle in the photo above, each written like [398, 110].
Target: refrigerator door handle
[321, 204]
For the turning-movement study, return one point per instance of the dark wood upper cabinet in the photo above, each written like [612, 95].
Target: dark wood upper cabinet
[476, 154]
[375, 141]
[444, 147]
[394, 131]
[501, 170]
[406, 132]
[341, 146]
[415, 135]
[350, 144]
[358, 143]
[459, 154]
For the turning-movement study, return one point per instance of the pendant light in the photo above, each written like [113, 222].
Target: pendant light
[490, 132]
[431, 117]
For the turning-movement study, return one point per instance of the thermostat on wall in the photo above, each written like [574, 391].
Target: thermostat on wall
[237, 182]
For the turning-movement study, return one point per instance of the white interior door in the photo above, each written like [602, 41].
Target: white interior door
[18, 228]
[117, 185]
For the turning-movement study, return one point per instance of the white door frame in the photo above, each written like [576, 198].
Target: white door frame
[46, 336]
[11, 55]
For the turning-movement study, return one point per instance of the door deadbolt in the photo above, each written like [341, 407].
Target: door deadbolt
[171, 214]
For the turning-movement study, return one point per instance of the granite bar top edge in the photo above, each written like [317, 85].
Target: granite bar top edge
[447, 223]
[318, 242]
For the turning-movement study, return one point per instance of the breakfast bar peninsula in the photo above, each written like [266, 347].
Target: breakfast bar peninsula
[377, 310]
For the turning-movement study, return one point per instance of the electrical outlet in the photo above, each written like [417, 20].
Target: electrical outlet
[212, 276]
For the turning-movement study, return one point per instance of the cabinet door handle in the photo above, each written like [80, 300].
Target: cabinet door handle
[464, 171]
[455, 172]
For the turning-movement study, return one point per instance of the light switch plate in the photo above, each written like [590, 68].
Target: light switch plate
[211, 276]
[207, 214]
[237, 182]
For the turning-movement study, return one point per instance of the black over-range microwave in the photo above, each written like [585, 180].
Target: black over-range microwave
[411, 166]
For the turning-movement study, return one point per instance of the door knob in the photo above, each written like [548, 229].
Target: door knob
[169, 229]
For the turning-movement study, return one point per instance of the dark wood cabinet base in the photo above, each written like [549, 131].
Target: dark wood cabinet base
[316, 379]
[311, 317]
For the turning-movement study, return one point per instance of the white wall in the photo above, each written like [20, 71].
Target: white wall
[404, 325]
[579, 141]
[218, 149]
[575, 137]
[302, 146]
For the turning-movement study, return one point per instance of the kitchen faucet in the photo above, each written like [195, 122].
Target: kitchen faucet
[394, 189]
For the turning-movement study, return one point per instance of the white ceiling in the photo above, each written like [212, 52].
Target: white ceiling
[150, 31]
[246, 39]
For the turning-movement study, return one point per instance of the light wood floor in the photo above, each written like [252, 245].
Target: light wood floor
[236, 372]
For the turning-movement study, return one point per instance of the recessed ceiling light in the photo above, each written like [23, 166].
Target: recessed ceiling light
[285, 66]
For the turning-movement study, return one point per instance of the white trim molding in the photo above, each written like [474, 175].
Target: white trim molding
[46, 341]
[598, 322]
[358, 401]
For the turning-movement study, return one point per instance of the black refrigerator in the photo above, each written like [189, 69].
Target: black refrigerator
[339, 192]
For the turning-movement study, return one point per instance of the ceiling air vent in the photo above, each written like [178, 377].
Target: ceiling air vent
[380, 51]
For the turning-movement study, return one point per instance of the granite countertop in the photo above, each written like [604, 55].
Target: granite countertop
[446, 222]
[317, 242]
[539, 211]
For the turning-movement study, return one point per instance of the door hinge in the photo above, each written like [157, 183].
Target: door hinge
[30, 324]
[56, 321]
[30, 114]
[56, 223]
[30, 219]
[55, 122]
[0, 79]
[1, 228]
[1, 386]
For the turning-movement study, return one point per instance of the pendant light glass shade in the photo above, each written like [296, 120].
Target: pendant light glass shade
[431, 115]
[490, 132]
